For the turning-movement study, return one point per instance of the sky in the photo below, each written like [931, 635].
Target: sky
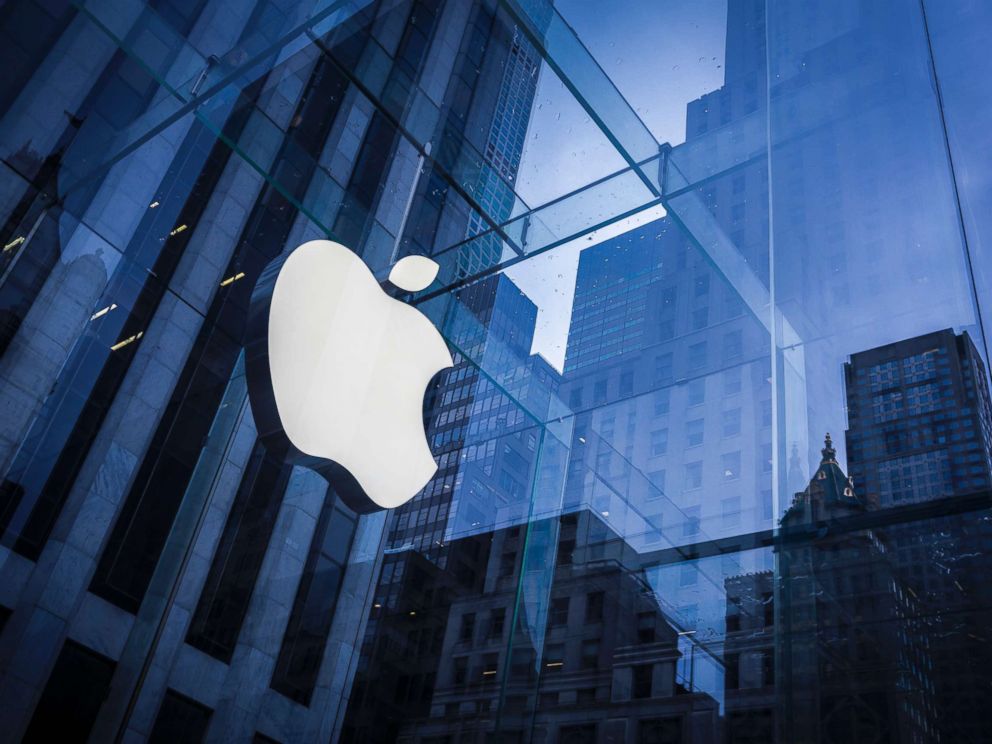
[661, 55]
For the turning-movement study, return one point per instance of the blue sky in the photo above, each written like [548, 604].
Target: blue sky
[660, 55]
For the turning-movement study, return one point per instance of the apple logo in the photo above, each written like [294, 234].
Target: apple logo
[337, 371]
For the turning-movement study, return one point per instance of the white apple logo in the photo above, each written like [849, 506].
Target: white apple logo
[337, 371]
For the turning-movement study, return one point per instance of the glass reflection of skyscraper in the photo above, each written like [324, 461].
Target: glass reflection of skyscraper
[920, 438]
[503, 149]
[853, 649]
[145, 214]
[603, 665]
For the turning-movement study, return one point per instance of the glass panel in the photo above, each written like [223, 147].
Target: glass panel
[678, 243]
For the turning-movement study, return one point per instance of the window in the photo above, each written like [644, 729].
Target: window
[732, 381]
[700, 316]
[730, 465]
[690, 526]
[646, 627]
[507, 564]
[590, 654]
[731, 421]
[733, 345]
[767, 507]
[575, 398]
[599, 392]
[660, 731]
[663, 370]
[688, 574]
[733, 618]
[887, 406]
[497, 619]
[303, 644]
[594, 607]
[694, 433]
[459, 673]
[662, 402]
[580, 734]
[923, 398]
[697, 355]
[657, 478]
[731, 511]
[694, 475]
[180, 719]
[223, 602]
[75, 690]
[641, 687]
[627, 383]
[490, 663]
[732, 671]
[467, 629]
[559, 611]
[659, 442]
[920, 367]
[565, 550]
[697, 392]
[882, 376]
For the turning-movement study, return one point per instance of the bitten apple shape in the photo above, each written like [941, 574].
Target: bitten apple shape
[337, 371]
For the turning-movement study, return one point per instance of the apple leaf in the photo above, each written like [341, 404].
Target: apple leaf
[413, 273]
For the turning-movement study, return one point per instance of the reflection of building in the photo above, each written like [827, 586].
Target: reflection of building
[595, 661]
[920, 420]
[482, 468]
[852, 656]
[749, 659]
[439, 544]
[134, 494]
[921, 432]
[669, 380]
[503, 148]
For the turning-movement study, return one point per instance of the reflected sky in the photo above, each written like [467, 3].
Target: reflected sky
[660, 55]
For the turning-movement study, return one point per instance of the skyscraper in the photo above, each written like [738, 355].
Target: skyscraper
[920, 437]
[852, 651]
[156, 158]
[920, 419]
[443, 548]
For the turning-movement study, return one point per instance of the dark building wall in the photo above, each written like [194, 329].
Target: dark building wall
[919, 433]
[138, 508]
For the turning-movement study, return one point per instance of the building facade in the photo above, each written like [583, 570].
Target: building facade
[130, 457]
[920, 413]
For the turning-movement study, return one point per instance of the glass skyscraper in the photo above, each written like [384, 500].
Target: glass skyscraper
[676, 244]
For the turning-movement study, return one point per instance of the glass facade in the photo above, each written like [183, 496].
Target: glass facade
[679, 243]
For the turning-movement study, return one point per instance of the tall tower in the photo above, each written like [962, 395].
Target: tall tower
[921, 434]
[503, 149]
[851, 650]
[920, 419]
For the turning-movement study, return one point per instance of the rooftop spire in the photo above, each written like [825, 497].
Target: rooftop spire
[829, 453]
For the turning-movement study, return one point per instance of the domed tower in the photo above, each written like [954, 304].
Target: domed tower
[846, 632]
[829, 495]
